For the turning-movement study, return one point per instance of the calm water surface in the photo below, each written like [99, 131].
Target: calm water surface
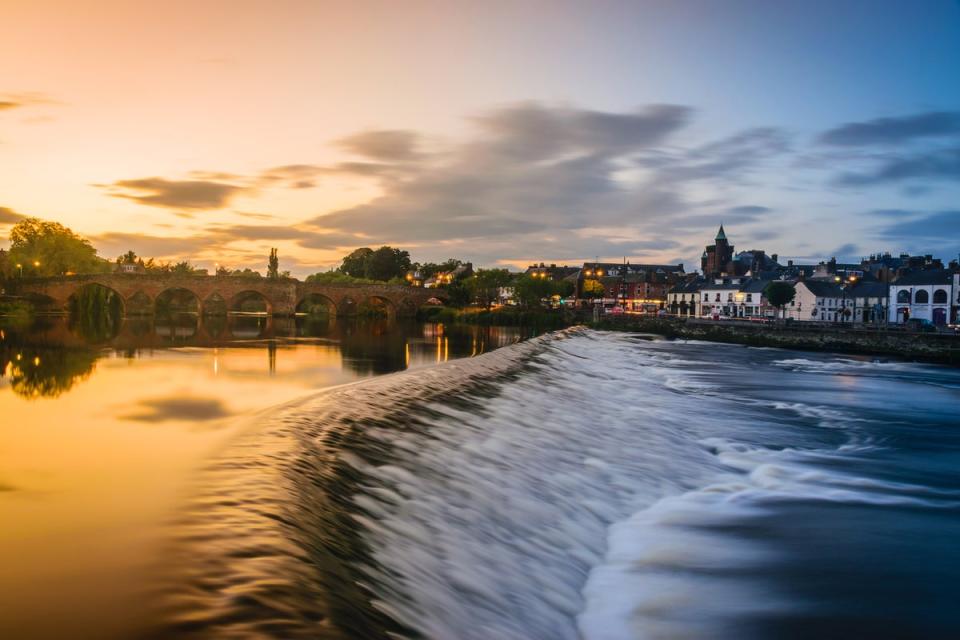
[99, 437]
[573, 485]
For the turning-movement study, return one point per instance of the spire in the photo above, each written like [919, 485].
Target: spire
[720, 234]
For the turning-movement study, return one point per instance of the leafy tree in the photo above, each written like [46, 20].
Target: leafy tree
[458, 294]
[222, 271]
[430, 269]
[355, 264]
[183, 268]
[486, 283]
[336, 277]
[245, 273]
[530, 292]
[592, 289]
[779, 294]
[273, 265]
[386, 263]
[564, 288]
[130, 257]
[48, 248]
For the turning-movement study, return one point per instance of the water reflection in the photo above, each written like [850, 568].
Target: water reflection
[50, 357]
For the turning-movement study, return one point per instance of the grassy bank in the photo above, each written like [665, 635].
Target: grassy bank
[503, 316]
[15, 313]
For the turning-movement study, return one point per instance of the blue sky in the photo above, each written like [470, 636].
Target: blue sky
[499, 132]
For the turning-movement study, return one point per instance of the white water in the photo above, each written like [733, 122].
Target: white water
[590, 496]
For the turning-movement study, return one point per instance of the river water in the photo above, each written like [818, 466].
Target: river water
[573, 485]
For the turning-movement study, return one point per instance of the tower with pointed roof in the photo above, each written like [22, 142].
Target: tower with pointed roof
[717, 256]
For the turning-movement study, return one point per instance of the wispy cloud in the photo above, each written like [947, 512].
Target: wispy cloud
[897, 130]
[9, 216]
[175, 194]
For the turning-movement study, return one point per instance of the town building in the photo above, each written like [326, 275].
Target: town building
[925, 295]
[634, 287]
[682, 298]
[734, 298]
[870, 300]
[816, 301]
[717, 257]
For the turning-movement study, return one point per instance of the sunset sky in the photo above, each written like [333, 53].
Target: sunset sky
[497, 132]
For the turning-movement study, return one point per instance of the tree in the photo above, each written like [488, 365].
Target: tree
[485, 284]
[46, 248]
[458, 294]
[355, 264]
[530, 292]
[592, 289]
[779, 294]
[273, 265]
[386, 263]
[429, 269]
[183, 268]
[564, 288]
[130, 257]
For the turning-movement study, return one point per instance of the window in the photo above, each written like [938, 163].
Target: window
[729, 297]
[749, 297]
[903, 296]
[717, 298]
[706, 297]
[940, 296]
[921, 297]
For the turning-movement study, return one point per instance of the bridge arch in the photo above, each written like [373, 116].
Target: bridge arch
[177, 300]
[92, 294]
[347, 306]
[250, 301]
[139, 304]
[378, 307]
[214, 305]
[407, 308]
[316, 304]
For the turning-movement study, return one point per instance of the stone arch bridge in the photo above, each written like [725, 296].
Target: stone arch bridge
[281, 297]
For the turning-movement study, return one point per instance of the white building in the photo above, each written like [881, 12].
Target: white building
[870, 302]
[816, 301]
[733, 298]
[925, 295]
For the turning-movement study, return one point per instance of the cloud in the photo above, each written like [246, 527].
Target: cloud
[392, 145]
[295, 176]
[9, 216]
[532, 175]
[897, 130]
[937, 164]
[179, 408]
[939, 227]
[10, 101]
[175, 194]
[114, 244]
[845, 250]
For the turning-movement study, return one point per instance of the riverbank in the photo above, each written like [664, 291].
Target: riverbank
[501, 316]
[921, 347]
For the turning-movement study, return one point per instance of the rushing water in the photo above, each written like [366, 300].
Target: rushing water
[579, 485]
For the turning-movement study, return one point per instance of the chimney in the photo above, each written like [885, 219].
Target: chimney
[789, 263]
[774, 256]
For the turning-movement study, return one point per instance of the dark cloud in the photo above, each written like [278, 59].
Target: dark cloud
[845, 250]
[729, 159]
[9, 216]
[897, 130]
[749, 211]
[938, 227]
[179, 408]
[9, 104]
[391, 145]
[175, 194]
[936, 164]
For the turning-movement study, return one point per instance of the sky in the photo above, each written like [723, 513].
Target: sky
[504, 133]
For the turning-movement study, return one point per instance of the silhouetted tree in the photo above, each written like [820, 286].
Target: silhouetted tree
[273, 265]
[779, 294]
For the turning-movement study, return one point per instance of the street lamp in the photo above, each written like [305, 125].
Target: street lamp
[20, 266]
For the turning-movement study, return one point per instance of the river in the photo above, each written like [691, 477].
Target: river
[578, 484]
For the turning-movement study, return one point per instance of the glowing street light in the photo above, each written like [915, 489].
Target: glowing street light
[20, 266]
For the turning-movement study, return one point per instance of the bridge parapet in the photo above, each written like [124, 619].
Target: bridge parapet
[282, 296]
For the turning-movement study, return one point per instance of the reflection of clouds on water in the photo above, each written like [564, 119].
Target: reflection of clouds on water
[179, 408]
